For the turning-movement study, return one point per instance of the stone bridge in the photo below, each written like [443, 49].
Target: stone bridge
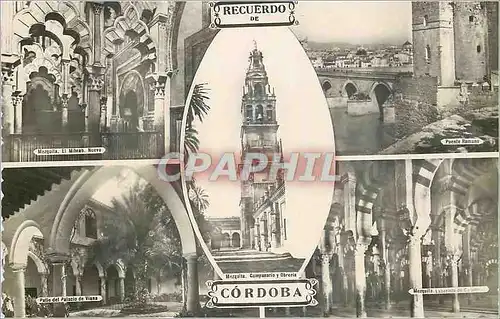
[362, 90]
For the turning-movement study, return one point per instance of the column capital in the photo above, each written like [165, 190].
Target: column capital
[191, 257]
[18, 267]
[57, 258]
[97, 8]
[95, 81]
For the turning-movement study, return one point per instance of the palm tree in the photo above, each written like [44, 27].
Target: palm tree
[197, 108]
[191, 142]
[199, 198]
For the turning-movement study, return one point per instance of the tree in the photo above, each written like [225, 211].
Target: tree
[197, 108]
[142, 233]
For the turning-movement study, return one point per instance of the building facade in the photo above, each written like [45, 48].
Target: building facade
[261, 211]
[455, 41]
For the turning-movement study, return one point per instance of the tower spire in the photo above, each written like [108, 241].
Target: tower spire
[255, 44]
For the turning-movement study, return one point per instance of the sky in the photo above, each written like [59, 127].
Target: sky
[302, 112]
[354, 21]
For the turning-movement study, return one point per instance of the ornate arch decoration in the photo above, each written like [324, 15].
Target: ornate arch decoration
[40, 265]
[121, 268]
[66, 13]
[19, 247]
[465, 173]
[37, 64]
[423, 176]
[83, 190]
[130, 21]
[372, 179]
[100, 269]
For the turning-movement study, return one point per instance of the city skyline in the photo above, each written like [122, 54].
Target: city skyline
[376, 22]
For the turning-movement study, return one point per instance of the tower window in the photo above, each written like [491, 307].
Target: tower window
[478, 48]
[269, 115]
[427, 53]
[471, 18]
[249, 112]
[424, 20]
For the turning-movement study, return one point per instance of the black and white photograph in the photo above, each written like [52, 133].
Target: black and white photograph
[117, 232]
[399, 225]
[245, 104]
[171, 159]
[84, 80]
[401, 77]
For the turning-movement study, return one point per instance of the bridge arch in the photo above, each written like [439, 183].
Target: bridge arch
[349, 88]
[326, 86]
[380, 92]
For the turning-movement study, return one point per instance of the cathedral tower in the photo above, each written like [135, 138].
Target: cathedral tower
[258, 135]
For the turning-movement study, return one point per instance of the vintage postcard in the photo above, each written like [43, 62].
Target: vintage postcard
[249, 159]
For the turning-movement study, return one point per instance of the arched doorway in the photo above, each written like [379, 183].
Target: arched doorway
[226, 240]
[112, 285]
[129, 284]
[91, 285]
[236, 240]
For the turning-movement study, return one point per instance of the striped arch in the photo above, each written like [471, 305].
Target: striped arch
[465, 172]
[425, 170]
[368, 187]
[491, 262]
[130, 21]
[479, 229]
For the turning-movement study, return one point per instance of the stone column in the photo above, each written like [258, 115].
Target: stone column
[467, 260]
[78, 284]
[7, 105]
[97, 21]
[274, 230]
[343, 275]
[64, 112]
[415, 269]
[95, 82]
[19, 297]
[58, 279]
[453, 259]
[44, 284]
[386, 270]
[438, 271]
[360, 276]
[161, 86]
[104, 113]
[193, 301]
[326, 282]
[103, 289]
[257, 234]
[121, 283]
[17, 101]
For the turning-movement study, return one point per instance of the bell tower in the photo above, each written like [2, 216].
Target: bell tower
[258, 135]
